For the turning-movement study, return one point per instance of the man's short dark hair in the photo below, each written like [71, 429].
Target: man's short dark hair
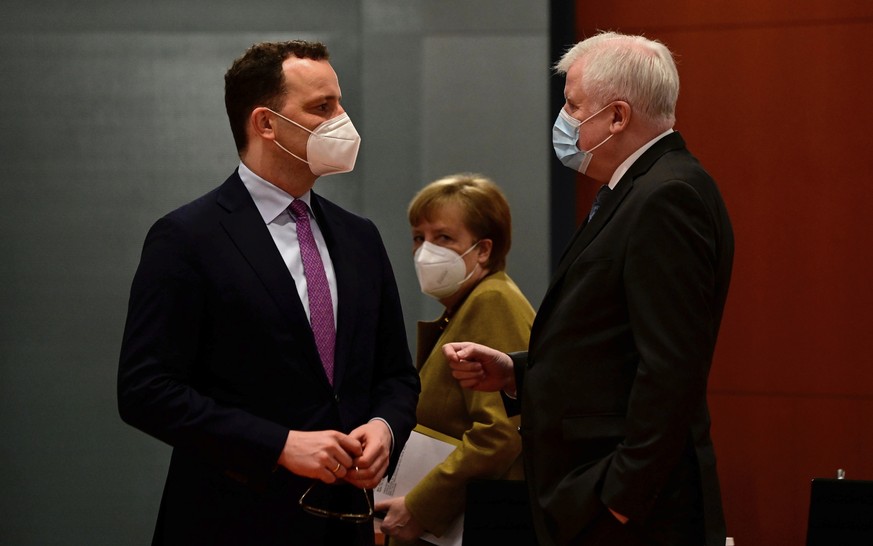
[256, 79]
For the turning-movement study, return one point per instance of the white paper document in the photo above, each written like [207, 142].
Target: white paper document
[424, 450]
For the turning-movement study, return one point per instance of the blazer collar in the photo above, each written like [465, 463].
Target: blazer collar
[246, 228]
[611, 202]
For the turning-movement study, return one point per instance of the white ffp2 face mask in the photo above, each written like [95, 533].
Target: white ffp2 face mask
[332, 147]
[441, 271]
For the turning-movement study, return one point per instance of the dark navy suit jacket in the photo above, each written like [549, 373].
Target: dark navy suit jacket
[219, 361]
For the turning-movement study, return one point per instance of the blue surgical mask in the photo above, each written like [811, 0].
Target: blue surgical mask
[565, 136]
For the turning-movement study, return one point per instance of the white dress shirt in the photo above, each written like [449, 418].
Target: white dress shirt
[626, 164]
[273, 205]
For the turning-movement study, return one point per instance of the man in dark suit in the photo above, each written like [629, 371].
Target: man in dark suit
[264, 338]
[612, 389]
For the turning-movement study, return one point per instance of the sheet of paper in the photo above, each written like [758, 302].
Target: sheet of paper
[424, 450]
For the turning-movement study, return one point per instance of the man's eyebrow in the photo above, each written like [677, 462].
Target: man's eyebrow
[327, 97]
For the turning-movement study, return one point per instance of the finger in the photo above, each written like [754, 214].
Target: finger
[467, 370]
[362, 473]
[330, 470]
[457, 365]
[368, 454]
[469, 366]
[363, 484]
[342, 457]
[358, 483]
[370, 477]
[468, 378]
[468, 383]
[450, 351]
[371, 459]
[356, 474]
[340, 470]
[360, 478]
[469, 351]
[326, 476]
[352, 448]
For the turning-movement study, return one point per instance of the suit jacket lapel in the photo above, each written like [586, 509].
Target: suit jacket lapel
[588, 231]
[581, 239]
[246, 228]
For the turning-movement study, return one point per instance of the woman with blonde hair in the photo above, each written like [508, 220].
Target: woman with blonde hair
[461, 234]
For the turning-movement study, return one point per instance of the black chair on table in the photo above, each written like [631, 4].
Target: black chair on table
[840, 512]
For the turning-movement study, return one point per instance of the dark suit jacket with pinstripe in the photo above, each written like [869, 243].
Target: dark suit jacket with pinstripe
[613, 387]
[219, 361]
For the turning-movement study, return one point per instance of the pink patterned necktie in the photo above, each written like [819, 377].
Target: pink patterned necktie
[320, 306]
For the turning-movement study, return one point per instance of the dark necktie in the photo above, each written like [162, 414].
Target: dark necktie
[317, 288]
[598, 199]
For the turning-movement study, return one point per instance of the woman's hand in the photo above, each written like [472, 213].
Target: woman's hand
[398, 520]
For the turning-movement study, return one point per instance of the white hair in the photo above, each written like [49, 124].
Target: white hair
[634, 69]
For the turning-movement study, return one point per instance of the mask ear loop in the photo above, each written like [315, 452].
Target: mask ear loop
[289, 152]
[602, 143]
[475, 266]
[591, 116]
[289, 120]
[470, 249]
[276, 142]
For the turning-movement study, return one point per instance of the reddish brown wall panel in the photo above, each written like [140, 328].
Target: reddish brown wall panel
[776, 102]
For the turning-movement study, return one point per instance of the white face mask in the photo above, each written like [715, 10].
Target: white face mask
[332, 146]
[441, 271]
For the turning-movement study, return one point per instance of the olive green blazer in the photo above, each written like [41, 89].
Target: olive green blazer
[495, 313]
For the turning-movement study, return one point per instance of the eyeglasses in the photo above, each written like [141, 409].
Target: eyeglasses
[355, 517]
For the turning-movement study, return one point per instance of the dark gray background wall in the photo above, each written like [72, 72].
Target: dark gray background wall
[111, 114]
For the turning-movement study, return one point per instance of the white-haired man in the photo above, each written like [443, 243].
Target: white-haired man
[612, 389]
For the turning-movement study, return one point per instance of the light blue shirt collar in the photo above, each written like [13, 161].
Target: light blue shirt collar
[270, 200]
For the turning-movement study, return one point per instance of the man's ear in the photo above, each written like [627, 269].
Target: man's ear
[261, 122]
[621, 115]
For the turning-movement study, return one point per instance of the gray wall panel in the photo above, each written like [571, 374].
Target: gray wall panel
[484, 111]
[486, 16]
[189, 16]
[392, 167]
